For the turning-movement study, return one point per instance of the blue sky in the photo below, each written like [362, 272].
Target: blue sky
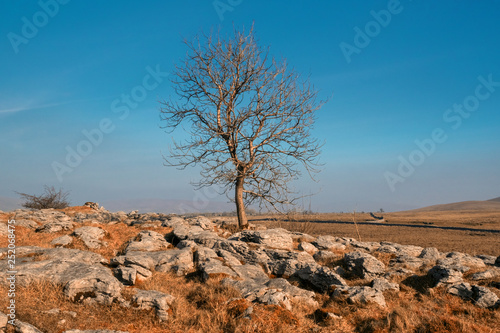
[394, 71]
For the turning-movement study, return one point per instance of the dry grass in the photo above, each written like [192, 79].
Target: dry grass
[210, 307]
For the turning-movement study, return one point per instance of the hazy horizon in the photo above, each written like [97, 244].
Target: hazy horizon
[412, 119]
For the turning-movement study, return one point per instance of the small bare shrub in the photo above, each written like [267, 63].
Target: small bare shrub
[50, 199]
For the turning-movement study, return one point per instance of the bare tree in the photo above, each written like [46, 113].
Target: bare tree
[50, 199]
[249, 120]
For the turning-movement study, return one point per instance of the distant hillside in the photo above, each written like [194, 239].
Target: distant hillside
[493, 204]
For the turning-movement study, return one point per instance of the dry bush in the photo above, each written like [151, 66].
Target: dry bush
[49, 199]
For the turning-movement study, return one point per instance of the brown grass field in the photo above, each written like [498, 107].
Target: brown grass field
[209, 307]
[410, 227]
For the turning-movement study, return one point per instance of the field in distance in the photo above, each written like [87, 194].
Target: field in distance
[467, 231]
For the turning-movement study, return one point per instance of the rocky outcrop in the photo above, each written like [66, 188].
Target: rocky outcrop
[261, 264]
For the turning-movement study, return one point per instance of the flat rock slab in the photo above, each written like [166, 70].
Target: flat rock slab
[329, 243]
[147, 240]
[272, 238]
[91, 236]
[80, 273]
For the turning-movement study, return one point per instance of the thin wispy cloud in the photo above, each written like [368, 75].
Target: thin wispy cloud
[48, 105]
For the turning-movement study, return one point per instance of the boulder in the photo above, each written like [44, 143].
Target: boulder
[445, 275]
[147, 240]
[91, 236]
[359, 295]
[383, 285]
[430, 254]
[485, 275]
[152, 299]
[481, 296]
[56, 226]
[328, 243]
[22, 327]
[308, 247]
[62, 241]
[363, 265]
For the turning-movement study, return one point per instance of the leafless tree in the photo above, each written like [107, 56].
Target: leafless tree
[50, 199]
[249, 120]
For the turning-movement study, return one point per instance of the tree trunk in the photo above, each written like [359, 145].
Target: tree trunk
[240, 206]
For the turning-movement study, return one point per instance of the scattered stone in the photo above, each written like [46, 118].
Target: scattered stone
[445, 275]
[383, 285]
[364, 265]
[91, 236]
[147, 240]
[359, 295]
[488, 260]
[324, 256]
[488, 274]
[22, 327]
[328, 243]
[62, 241]
[127, 275]
[152, 299]
[462, 290]
[481, 296]
[308, 247]
[93, 205]
[56, 226]
[430, 254]
[30, 224]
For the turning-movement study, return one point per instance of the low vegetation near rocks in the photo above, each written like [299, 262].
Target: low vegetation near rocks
[83, 269]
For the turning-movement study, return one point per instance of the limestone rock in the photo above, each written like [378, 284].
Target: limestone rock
[152, 299]
[364, 265]
[308, 247]
[272, 238]
[147, 240]
[62, 241]
[445, 274]
[383, 285]
[430, 253]
[488, 274]
[485, 298]
[91, 236]
[359, 295]
[328, 243]
[56, 226]
[22, 327]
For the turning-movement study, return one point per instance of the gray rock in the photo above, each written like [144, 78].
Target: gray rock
[229, 259]
[445, 275]
[325, 256]
[406, 261]
[202, 222]
[248, 271]
[488, 260]
[462, 289]
[485, 298]
[497, 261]
[174, 221]
[328, 243]
[367, 246]
[398, 249]
[364, 265]
[481, 296]
[285, 263]
[91, 236]
[308, 247]
[56, 226]
[430, 253]
[152, 299]
[22, 327]
[62, 241]
[322, 278]
[292, 292]
[488, 274]
[461, 259]
[215, 268]
[79, 272]
[272, 238]
[147, 240]
[274, 297]
[383, 285]
[179, 261]
[30, 224]
[127, 275]
[359, 295]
